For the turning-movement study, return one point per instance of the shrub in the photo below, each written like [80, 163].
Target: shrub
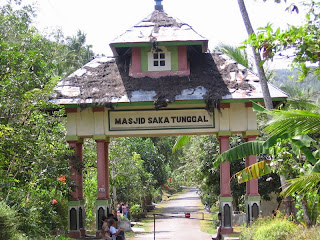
[157, 195]
[279, 228]
[269, 229]
[8, 222]
[136, 211]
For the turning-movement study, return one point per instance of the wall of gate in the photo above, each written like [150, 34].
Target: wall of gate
[177, 119]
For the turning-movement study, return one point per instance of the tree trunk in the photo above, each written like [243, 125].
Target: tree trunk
[306, 214]
[265, 91]
[257, 58]
[288, 201]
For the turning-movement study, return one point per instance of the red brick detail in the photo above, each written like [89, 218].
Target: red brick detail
[83, 232]
[74, 234]
[224, 105]
[248, 104]
[182, 58]
[136, 60]
[71, 110]
[98, 109]
[226, 230]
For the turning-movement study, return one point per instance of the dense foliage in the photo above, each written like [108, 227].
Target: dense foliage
[302, 41]
[32, 152]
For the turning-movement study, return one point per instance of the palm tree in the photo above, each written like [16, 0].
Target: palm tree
[257, 57]
[237, 54]
[241, 56]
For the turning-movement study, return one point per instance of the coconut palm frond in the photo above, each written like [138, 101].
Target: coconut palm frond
[241, 151]
[296, 122]
[302, 185]
[180, 142]
[302, 104]
[236, 54]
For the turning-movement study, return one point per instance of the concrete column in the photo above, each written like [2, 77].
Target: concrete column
[73, 171]
[252, 190]
[225, 198]
[74, 203]
[81, 209]
[78, 151]
[101, 168]
[252, 185]
[107, 169]
[225, 190]
[103, 197]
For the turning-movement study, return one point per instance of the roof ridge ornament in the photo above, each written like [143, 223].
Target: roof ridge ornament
[158, 5]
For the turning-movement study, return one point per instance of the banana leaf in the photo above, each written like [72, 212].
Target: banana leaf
[180, 142]
[241, 151]
[254, 171]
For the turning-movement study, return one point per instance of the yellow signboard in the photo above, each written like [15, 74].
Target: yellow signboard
[161, 119]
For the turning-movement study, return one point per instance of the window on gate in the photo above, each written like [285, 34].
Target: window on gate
[159, 60]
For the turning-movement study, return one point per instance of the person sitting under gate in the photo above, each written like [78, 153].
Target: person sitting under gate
[218, 237]
[117, 234]
[105, 232]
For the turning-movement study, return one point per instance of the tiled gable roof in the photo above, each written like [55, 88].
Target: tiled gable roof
[159, 27]
[213, 77]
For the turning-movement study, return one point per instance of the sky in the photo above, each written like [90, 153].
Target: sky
[102, 20]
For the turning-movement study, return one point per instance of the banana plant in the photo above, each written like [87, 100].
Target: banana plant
[292, 126]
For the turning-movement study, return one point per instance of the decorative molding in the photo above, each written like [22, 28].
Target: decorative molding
[101, 137]
[74, 139]
[224, 105]
[225, 199]
[74, 203]
[249, 198]
[224, 134]
[248, 104]
[98, 109]
[251, 133]
[71, 110]
[103, 202]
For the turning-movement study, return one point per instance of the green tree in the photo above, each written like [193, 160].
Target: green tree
[303, 40]
[33, 155]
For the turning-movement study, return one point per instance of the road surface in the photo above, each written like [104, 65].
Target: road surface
[173, 224]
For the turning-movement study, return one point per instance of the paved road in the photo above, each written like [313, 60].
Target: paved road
[174, 225]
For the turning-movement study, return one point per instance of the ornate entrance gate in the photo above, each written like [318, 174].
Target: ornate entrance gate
[159, 84]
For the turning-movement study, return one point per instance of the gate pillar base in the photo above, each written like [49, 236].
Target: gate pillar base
[73, 224]
[103, 208]
[226, 210]
[74, 234]
[82, 218]
[252, 207]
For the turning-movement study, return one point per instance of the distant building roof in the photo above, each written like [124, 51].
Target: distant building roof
[213, 77]
[159, 27]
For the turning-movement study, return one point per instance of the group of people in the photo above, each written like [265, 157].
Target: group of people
[123, 209]
[109, 230]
